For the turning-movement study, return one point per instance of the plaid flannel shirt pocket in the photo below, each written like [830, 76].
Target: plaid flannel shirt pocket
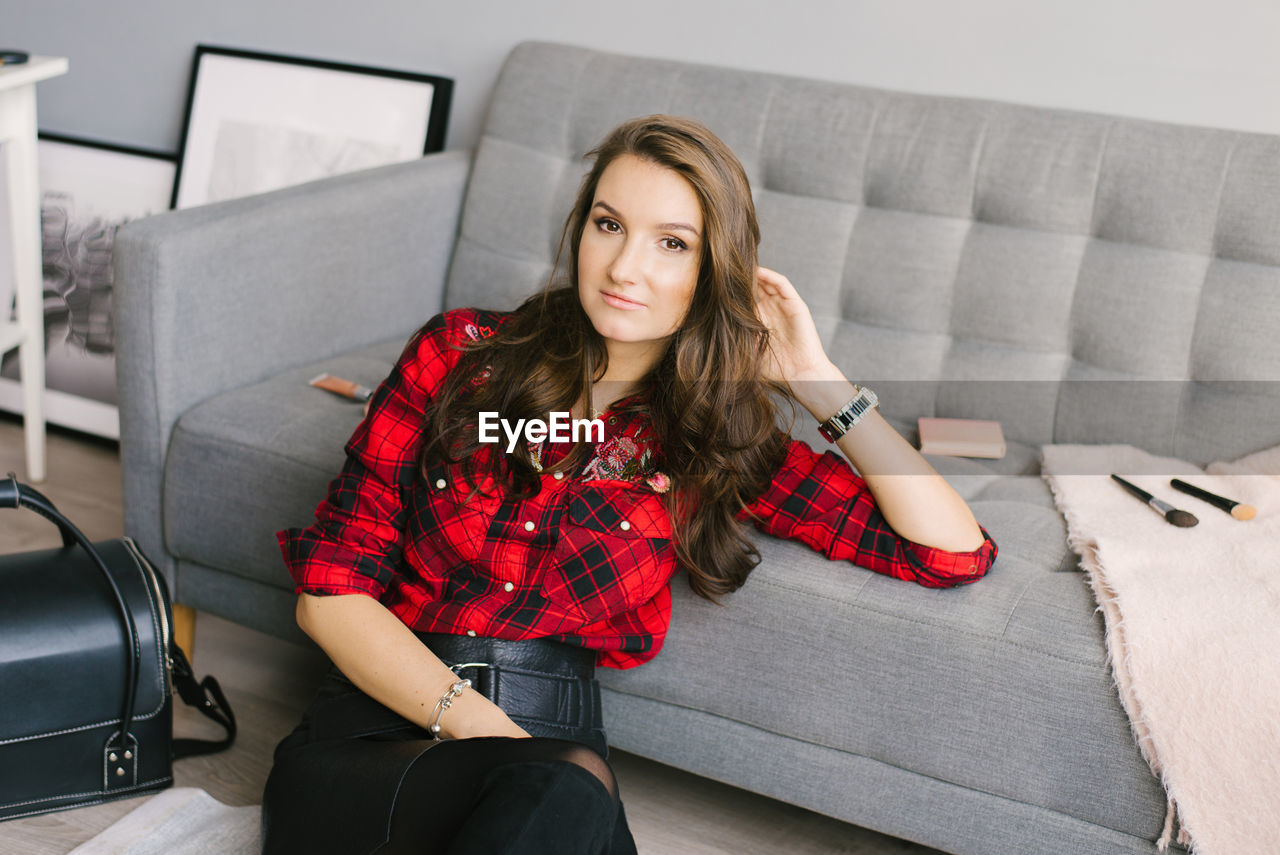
[613, 551]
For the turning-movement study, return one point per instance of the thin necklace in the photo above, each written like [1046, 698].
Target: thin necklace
[535, 453]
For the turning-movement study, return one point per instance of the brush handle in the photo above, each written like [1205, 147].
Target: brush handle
[1161, 506]
[1135, 489]
[1212, 498]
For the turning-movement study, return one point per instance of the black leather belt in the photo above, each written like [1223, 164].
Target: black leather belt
[546, 687]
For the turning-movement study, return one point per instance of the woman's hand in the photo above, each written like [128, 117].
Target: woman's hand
[473, 715]
[795, 350]
[383, 658]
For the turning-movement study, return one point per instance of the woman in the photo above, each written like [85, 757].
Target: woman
[540, 558]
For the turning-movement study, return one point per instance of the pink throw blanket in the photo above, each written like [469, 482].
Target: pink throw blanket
[1192, 630]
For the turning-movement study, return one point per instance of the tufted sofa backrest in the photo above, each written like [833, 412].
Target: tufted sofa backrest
[1081, 278]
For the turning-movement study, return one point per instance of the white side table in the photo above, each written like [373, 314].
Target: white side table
[18, 149]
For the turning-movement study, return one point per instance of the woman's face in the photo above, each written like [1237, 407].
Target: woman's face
[639, 254]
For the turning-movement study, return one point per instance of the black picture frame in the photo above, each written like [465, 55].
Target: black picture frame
[225, 114]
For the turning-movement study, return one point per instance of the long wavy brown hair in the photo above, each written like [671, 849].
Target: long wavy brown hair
[712, 416]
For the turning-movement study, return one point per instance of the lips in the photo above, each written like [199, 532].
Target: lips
[619, 302]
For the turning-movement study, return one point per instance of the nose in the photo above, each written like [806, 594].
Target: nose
[628, 264]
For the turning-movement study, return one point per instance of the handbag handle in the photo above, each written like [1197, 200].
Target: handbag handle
[14, 495]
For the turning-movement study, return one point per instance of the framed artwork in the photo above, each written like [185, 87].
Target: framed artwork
[257, 122]
[87, 190]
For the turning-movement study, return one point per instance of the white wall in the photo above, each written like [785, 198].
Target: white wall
[1184, 61]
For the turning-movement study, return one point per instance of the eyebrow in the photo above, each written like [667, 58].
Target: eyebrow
[668, 226]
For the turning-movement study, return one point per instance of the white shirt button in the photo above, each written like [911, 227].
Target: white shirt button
[559, 476]
[439, 483]
[528, 526]
[471, 632]
[508, 587]
[624, 525]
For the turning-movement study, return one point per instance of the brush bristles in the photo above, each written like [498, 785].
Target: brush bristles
[1244, 512]
[1182, 519]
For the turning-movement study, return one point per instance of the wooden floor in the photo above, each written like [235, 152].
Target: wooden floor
[269, 682]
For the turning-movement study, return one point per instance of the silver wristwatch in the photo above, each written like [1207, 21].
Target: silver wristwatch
[863, 402]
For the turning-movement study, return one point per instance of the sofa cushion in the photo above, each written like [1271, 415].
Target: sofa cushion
[973, 686]
[246, 463]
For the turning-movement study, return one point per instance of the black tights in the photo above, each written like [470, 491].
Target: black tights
[496, 794]
[492, 795]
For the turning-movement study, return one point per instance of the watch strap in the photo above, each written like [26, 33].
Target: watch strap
[863, 402]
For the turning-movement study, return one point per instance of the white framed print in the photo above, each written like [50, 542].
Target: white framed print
[88, 190]
[257, 122]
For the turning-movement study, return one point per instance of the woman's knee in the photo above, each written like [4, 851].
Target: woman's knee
[550, 750]
[586, 758]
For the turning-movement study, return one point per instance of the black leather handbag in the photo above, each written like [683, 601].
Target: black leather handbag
[87, 670]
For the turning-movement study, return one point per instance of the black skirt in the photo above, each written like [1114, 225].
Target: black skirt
[338, 777]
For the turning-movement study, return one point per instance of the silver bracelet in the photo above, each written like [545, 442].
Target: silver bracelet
[446, 701]
[863, 402]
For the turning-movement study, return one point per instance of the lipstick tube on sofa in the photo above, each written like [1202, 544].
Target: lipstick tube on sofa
[338, 386]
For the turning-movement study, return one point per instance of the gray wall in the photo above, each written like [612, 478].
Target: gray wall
[1178, 60]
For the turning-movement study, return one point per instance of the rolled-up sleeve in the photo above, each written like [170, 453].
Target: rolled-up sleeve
[356, 542]
[819, 500]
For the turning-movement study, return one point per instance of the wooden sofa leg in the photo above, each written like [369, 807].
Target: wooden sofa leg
[184, 629]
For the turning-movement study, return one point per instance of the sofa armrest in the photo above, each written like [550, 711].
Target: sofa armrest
[218, 297]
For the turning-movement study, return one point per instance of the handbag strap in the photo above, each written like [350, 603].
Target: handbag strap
[14, 495]
[206, 696]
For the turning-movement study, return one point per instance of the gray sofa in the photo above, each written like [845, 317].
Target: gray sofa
[1082, 278]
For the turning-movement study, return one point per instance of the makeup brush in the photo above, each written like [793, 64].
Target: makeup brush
[1181, 519]
[1236, 509]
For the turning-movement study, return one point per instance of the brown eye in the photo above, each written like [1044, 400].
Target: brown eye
[674, 244]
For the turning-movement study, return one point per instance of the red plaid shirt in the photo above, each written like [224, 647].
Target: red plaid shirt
[588, 560]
